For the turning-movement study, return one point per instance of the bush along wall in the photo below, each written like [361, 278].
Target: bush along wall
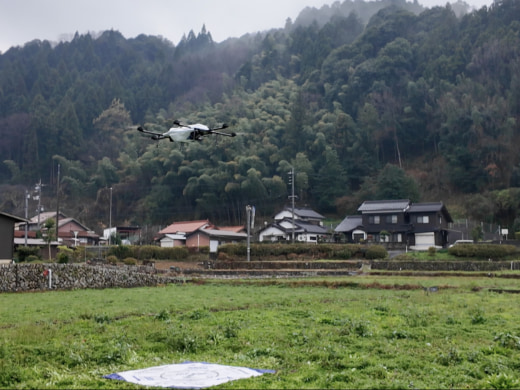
[149, 252]
[302, 251]
[483, 251]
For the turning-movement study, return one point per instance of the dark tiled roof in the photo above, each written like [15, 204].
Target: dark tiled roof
[431, 207]
[13, 217]
[351, 222]
[425, 207]
[310, 227]
[384, 206]
[305, 213]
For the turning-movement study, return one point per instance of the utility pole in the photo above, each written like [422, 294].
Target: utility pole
[58, 203]
[26, 216]
[248, 218]
[291, 180]
[38, 188]
[110, 220]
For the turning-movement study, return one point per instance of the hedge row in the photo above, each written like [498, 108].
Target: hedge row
[311, 251]
[149, 252]
[485, 251]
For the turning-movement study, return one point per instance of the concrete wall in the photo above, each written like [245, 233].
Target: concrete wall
[31, 277]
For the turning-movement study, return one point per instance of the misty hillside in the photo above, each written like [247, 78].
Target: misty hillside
[381, 100]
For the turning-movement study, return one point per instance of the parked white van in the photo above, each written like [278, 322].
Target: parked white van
[458, 242]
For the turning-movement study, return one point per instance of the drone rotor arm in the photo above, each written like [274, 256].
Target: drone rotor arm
[155, 136]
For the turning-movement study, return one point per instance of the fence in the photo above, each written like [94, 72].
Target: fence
[461, 229]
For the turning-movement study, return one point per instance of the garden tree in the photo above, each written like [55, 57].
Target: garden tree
[393, 183]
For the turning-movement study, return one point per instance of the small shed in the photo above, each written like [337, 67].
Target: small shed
[7, 222]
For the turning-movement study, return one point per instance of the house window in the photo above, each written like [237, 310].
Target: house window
[373, 219]
[391, 219]
[423, 219]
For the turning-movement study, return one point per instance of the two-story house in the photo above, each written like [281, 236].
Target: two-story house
[429, 223]
[416, 225]
[307, 226]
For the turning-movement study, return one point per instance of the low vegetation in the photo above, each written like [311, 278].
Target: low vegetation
[364, 332]
[305, 251]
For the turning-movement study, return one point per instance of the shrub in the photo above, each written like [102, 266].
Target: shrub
[63, 258]
[130, 261]
[175, 253]
[432, 251]
[23, 252]
[376, 252]
[145, 252]
[112, 259]
[65, 254]
[121, 251]
[485, 251]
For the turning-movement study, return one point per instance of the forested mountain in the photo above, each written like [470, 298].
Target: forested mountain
[403, 102]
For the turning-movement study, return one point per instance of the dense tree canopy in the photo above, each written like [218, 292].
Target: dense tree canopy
[409, 102]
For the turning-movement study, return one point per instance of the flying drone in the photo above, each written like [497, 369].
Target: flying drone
[187, 133]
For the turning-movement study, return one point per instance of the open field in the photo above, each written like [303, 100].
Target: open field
[380, 331]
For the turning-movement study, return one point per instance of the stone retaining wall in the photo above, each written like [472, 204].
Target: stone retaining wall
[30, 277]
[471, 266]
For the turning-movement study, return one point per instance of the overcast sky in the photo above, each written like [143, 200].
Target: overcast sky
[22, 21]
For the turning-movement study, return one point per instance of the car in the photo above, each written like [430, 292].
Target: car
[458, 242]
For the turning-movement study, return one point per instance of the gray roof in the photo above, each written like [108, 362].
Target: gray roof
[223, 234]
[384, 206]
[306, 213]
[300, 227]
[350, 223]
[431, 207]
[425, 207]
[310, 227]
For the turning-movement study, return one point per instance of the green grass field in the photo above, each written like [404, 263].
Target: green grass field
[356, 332]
